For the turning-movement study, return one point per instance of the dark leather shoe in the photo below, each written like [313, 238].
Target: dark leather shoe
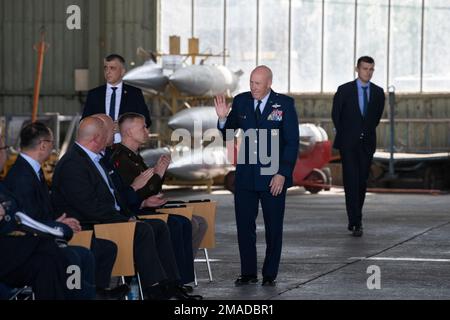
[156, 292]
[243, 280]
[269, 282]
[357, 231]
[188, 289]
[117, 293]
[181, 294]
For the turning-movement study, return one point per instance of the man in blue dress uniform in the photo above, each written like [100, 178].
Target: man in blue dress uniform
[266, 160]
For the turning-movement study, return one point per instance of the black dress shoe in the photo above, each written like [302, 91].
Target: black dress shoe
[181, 294]
[156, 292]
[188, 289]
[269, 282]
[357, 231]
[117, 293]
[243, 280]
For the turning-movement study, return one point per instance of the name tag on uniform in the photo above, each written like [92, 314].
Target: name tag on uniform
[276, 115]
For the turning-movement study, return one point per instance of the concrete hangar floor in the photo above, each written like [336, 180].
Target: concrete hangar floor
[403, 254]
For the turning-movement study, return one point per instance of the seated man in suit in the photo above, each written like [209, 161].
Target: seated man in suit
[129, 164]
[115, 98]
[36, 261]
[82, 188]
[26, 181]
[180, 227]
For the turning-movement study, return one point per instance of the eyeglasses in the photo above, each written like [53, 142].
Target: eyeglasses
[4, 148]
[51, 141]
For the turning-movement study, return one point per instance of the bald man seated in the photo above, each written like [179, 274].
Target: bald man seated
[83, 189]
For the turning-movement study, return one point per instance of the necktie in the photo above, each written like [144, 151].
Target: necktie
[110, 181]
[258, 111]
[365, 101]
[47, 209]
[108, 177]
[42, 177]
[112, 105]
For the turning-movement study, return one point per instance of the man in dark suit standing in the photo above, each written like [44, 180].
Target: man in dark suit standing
[357, 109]
[264, 170]
[115, 98]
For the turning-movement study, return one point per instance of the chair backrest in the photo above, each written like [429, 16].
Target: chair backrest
[82, 239]
[162, 217]
[207, 210]
[122, 234]
[184, 211]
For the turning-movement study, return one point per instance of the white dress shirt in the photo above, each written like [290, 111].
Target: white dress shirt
[109, 91]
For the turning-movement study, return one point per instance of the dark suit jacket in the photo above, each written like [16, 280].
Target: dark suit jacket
[127, 196]
[242, 115]
[350, 125]
[79, 190]
[14, 250]
[11, 206]
[23, 182]
[132, 100]
[32, 195]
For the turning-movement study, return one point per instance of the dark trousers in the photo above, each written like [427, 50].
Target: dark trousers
[84, 259]
[153, 253]
[355, 172]
[246, 210]
[181, 235]
[45, 271]
[105, 253]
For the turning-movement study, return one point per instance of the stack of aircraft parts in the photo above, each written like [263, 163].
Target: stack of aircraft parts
[149, 77]
[411, 170]
[192, 80]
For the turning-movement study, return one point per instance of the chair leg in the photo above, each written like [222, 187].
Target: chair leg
[141, 294]
[25, 290]
[207, 263]
[123, 282]
[195, 278]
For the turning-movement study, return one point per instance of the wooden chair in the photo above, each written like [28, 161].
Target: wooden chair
[162, 217]
[207, 210]
[122, 234]
[82, 239]
[178, 210]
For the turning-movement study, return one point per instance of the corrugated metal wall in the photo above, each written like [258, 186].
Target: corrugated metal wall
[121, 26]
[422, 121]
[106, 26]
[21, 21]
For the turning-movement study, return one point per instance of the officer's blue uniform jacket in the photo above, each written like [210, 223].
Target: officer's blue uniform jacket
[279, 119]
